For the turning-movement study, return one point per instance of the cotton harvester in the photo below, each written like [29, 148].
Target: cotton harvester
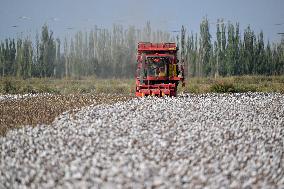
[158, 69]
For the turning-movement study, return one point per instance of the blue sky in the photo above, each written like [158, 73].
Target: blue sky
[23, 17]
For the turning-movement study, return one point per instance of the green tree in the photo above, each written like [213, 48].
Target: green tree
[268, 59]
[249, 40]
[182, 42]
[189, 57]
[236, 66]
[205, 47]
[2, 59]
[260, 55]
[66, 59]
[47, 53]
[59, 68]
[218, 49]
[230, 51]
[222, 54]
[93, 63]
[27, 58]
[19, 58]
[36, 68]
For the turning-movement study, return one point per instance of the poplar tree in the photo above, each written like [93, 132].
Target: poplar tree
[236, 66]
[205, 47]
[230, 51]
[58, 67]
[27, 59]
[218, 50]
[47, 53]
[249, 39]
[2, 58]
[66, 58]
[182, 42]
[19, 58]
[260, 55]
[222, 54]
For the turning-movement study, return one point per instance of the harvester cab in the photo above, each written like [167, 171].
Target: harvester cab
[158, 69]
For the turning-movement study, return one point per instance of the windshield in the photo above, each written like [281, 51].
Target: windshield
[157, 66]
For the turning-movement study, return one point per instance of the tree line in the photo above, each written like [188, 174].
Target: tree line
[111, 53]
[232, 53]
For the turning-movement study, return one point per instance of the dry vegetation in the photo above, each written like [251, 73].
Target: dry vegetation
[237, 84]
[43, 109]
[127, 86]
[66, 86]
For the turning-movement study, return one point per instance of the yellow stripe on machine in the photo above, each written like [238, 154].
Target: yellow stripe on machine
[170, 70]
[175, 70]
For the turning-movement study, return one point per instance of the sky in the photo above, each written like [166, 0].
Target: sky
[20, 18]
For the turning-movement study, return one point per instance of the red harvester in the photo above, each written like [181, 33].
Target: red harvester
[158, 69]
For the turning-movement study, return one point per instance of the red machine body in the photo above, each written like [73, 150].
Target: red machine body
[158, 69]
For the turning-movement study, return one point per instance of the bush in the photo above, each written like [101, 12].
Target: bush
[47, 89]
[226, 87]
[246, 88]
[29, 89]
[9, 87]
[223, 87]
[192, 89]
